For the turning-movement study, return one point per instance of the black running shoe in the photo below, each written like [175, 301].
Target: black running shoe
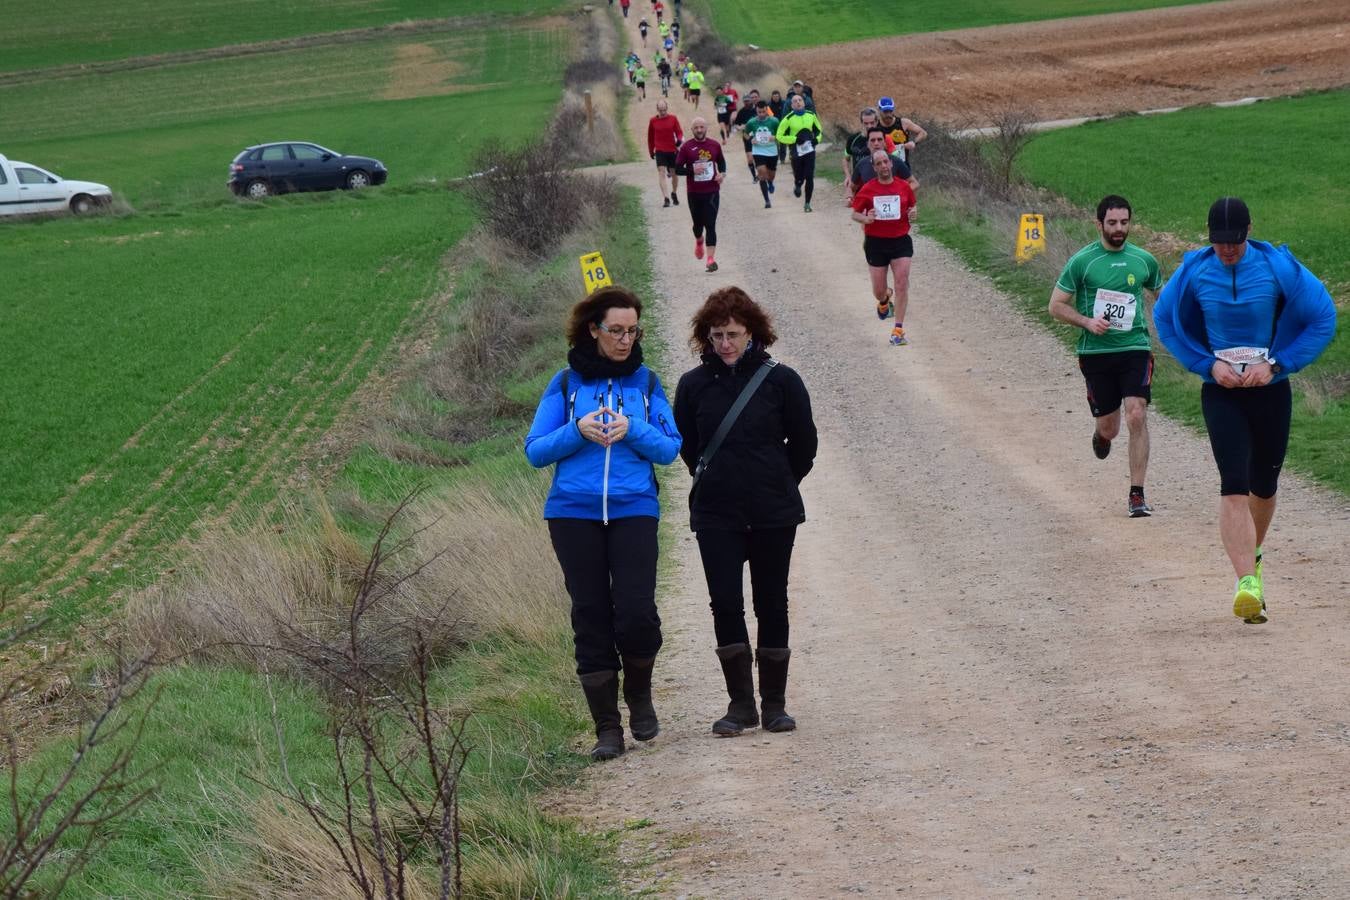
[675, 199]
[1138, 506]
[1100, 445]
[667, 203]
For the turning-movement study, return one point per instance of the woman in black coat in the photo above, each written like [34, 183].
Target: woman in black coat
[745, 506]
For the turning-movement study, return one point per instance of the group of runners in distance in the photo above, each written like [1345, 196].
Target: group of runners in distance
[1242, 314]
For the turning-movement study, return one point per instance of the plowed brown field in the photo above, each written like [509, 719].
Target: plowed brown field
[1088, 66]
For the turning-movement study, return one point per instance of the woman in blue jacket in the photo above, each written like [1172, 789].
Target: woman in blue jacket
[603, 423]
[1244, 315]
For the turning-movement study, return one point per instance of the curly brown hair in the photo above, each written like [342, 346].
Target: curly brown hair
[723, 305]
[592, 310]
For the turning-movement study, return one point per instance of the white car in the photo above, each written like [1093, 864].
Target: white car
[26, 189]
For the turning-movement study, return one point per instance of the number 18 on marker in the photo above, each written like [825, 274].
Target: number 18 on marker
[594, 272]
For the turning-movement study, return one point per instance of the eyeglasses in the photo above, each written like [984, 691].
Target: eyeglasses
[618, 332]
[717, 337]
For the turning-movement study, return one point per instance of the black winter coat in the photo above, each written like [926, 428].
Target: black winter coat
[752, 481]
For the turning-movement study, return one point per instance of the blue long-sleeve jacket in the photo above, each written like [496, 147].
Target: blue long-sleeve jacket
[1305, 326]
[595, 482]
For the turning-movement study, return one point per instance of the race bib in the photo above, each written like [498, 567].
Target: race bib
[703, 170]
[887, 208]
[1241, 357]
[1117, 307]
[805, 147]
[763, 137]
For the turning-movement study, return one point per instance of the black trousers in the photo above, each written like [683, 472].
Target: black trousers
[610, 571]
[703, 210]
[1248, 434]
[769, 553]
[804, 172]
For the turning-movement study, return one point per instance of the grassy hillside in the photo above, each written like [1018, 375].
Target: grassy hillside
[789, 24]
[1276, 154]
[39, 34]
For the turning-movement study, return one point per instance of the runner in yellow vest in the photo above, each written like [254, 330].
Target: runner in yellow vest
[696, 80]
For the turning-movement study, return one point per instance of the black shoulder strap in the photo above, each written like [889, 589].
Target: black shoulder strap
[730, 418]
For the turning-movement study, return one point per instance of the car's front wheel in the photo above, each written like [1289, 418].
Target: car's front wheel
[357, 179]
[257, 189]
[81, 204]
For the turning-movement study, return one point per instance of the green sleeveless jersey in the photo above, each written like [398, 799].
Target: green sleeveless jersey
[1110, 283]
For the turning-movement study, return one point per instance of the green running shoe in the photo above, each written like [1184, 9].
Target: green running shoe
[1248, 604]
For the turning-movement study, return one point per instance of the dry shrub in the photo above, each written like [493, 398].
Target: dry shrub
[581, 143]
[253, 594]
[289, 858]
[588, 71]
[529, 198]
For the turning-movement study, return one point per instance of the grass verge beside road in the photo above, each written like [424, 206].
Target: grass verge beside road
[213, 825]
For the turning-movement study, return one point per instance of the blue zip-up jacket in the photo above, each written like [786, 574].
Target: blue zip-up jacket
[1304, 328]
[595, 482]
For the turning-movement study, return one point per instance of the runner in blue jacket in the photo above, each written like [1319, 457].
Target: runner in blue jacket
[604, 423]
[1244, 315]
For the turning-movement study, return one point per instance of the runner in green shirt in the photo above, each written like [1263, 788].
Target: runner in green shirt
[640, 79]
[1101, 292]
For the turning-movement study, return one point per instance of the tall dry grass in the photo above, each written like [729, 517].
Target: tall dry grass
[287, 857]
[471, 568]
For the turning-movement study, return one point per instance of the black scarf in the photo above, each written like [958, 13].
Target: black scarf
[586, 361]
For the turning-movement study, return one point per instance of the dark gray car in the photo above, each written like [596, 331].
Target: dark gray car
[286, 166]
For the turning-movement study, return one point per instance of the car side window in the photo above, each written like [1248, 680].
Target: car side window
[275, 154]
[4, 179]
[30, 176]
[306, 151]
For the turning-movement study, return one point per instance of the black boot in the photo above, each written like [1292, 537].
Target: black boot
[773, 669]
[637, 693]
[737, 668]
[602, 696]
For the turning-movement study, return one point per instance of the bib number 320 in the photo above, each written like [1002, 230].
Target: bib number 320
[1117, 307]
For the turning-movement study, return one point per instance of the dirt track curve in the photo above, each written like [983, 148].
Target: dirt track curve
[1004, 686]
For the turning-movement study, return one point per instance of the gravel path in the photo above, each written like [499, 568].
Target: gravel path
[1004, 686]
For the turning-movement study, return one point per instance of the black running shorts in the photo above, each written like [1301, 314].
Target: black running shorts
[694, 92]
[1111, 377]
[724, 118]
[768, 162]
[1248, 434]
[881, 250]
[665, 160]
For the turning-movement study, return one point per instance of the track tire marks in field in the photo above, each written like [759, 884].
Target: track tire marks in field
[169, 412]
[1094, 65]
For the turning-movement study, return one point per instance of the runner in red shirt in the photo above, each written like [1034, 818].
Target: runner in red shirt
[885, 207]
[701, 161]
[663, 140]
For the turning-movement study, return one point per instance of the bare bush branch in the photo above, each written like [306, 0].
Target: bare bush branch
[69, 807]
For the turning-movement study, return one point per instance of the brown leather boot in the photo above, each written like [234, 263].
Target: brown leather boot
[637, 693]
[773, 672]
[737, 669]
[602, 696]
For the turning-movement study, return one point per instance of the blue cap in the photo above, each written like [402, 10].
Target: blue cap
[887, 104]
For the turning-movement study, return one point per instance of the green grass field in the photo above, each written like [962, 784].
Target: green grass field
[173, 366]
[1172, 167]
[790, 24]
[39, 34]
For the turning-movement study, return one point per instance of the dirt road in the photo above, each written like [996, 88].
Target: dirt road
[1004, 686]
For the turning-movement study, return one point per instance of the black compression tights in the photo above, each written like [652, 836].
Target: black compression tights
[804, 173]
[703, 210]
